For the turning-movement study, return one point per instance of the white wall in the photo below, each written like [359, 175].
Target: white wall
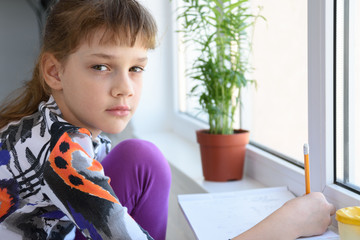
[19, 44]
[155, 107]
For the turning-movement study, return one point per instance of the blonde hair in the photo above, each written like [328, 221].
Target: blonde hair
[69, 23]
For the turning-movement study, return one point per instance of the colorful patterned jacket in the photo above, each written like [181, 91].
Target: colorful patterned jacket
[51, 180]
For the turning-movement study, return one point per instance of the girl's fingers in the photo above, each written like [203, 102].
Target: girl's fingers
[332, 210]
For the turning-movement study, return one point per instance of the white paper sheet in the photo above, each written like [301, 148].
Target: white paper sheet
[226, 215]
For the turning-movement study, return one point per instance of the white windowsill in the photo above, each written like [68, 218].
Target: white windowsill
[262, 169]
[185, 156]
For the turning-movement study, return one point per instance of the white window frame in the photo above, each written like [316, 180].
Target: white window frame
[271, 170]
[346, 69]
[321, 104]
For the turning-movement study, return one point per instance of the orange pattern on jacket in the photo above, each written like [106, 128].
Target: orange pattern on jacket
[61, 163]
[5, 202]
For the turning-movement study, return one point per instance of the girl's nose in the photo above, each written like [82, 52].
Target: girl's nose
[123, 86]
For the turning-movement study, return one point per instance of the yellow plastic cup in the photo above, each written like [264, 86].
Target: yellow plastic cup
[349, 223]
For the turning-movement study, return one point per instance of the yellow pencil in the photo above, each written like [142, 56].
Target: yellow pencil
[307, 168]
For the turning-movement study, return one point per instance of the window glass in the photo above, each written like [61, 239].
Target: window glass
[279, 104]
[189, 104]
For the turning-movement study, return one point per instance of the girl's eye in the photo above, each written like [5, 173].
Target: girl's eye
[100, 67]
[136, 69]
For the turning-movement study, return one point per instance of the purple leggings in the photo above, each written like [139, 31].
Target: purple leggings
[140, 177]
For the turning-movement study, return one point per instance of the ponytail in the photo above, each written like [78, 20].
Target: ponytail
[27, 100]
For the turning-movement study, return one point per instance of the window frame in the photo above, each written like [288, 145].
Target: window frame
[348, 68]
[320, 90]
[270, 169]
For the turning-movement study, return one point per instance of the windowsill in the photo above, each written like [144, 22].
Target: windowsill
[261, 169]
[185, 156]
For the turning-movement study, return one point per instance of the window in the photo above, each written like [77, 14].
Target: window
[347, 89]
[275, 112]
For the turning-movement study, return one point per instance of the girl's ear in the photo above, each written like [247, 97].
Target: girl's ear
[51, 68]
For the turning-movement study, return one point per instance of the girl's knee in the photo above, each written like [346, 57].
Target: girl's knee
[143, 154]
[138, 149]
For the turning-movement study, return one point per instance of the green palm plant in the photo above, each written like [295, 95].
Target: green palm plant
[221, 31]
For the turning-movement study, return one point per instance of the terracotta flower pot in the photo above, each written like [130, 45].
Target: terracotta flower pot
[222, 156]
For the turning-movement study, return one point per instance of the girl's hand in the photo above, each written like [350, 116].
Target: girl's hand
[302, 216]
[311, 214]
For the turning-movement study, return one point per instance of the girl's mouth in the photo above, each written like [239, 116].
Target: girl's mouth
[119, 111]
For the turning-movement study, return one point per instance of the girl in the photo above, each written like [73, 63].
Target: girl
[88, 80]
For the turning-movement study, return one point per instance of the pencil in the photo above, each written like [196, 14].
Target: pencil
[307, 168]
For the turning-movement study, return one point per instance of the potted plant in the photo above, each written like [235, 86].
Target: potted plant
[220, 30]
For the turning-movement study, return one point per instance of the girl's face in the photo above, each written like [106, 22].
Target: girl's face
[101, 85]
